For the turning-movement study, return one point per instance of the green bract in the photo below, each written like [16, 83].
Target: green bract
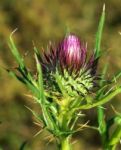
[76, 85]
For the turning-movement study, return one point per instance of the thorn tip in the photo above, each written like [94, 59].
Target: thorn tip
[103, 7]
[13, 32]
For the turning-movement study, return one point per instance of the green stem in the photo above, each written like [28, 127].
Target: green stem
[65, 144]
[102, 125]
[110, 147]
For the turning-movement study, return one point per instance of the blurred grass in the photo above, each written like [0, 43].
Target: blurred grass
[41, 21]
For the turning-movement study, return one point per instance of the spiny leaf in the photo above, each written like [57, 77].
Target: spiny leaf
[35, 114]
[15, 52]
[102, 101]
[33, 89]
[13, 74]
[47, 116]
[99, 34]
[40, 81]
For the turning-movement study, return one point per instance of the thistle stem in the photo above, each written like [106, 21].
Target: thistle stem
[65, 144]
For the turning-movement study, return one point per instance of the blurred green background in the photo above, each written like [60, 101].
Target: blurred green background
[41, 21]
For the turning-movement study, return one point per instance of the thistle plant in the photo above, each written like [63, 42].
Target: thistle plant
[66, 83]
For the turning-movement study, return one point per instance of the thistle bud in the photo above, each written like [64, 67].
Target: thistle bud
[69, 62]
[72, 52]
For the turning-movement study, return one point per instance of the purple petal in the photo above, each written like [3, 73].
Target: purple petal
[72, 52]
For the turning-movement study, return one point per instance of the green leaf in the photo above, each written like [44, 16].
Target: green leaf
[13, 74]
[99, 34]
[15, 52]
[103, 74]
[100, 110]
[102, 101]
[116, 136]
[34, 90]
[22, 147]
[40, 81]
[114, 120]
[36, 115]
[117, 76]
[46, 113]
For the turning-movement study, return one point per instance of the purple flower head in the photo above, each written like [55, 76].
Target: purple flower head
[72, 53]
[69, 62]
